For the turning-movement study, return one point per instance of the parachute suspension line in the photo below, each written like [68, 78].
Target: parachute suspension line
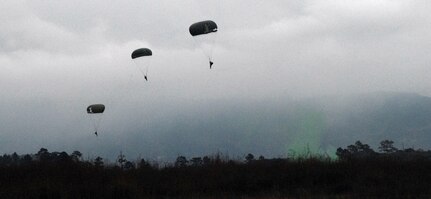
[95, 120]
[143, 62]
[212, 43]
[142, 72]
[200, 43]
[204, 34]
[95, 112]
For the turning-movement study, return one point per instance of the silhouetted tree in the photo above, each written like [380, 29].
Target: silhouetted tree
[144, 164]
[14, 158]
[181, 161]
[249, 157]
[206, 160]
[6, 159]
[43, 155]
[63, 157]
[387, 146]
[26, 159]
[196, 161]
[261, 157]
[409, 150]
[121, 159]
[343, 154]
[129, 165]
[352, 149]
[357, 150]
[42, 151]
[98, 162]
[76, 156]
[363, 147]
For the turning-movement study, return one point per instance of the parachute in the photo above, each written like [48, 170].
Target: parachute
[204, 34]
[142, 58]
[95, 111]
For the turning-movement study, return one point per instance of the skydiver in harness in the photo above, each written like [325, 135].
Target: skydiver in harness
[145, 77]
[95, 133]
[207, 30]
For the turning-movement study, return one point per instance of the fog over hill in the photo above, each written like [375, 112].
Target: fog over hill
[402, 117]
[286, 76]
[268, 127]
[273, 128]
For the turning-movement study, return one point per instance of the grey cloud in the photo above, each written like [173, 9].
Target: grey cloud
[58, 57]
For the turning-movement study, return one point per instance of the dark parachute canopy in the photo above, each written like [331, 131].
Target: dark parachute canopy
[204, 35]
[95, 108]
[95, 111]
[142, 60]
[203, 27]
[141, 52]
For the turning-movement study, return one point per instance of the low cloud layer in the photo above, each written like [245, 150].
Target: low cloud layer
[58, 57]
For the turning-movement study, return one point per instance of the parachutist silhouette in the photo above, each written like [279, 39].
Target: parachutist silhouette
[96, 113]
[139, 55]
[201, 29]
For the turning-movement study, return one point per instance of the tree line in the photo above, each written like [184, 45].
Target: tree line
[386, 149]
[353, 151]
[357, 170]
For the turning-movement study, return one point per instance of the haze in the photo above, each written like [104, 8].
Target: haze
[57, 57]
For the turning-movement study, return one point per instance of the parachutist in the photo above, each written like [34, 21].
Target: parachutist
[200, 30]
[96, 112]
[140, 56]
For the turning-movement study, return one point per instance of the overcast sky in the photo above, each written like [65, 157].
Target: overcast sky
[57, 57]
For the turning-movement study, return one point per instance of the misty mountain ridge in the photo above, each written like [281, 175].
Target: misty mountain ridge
[402, 117]
[273, 128]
